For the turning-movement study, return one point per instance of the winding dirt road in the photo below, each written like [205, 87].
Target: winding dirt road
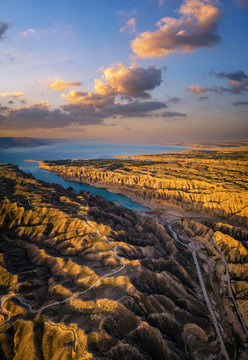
[204, 291]
[229, 286]
[30, 309]
[115, 249]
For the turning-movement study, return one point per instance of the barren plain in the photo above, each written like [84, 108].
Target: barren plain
[82, 278]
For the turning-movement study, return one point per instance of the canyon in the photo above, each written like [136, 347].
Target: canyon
[209, 182]
[83, 278]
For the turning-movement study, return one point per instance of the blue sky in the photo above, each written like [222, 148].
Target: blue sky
[135, 71]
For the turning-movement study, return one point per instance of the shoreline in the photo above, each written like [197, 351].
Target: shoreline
[183, 183]
[167, 212]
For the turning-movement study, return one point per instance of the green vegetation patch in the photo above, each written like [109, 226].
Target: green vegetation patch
[208, 154]
[106, 164]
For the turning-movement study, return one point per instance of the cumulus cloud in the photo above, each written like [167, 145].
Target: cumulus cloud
[76, 113]
[130, 26]
[242, 3]
[238, 76]
[237, 83]
[118, 83]
[131, 81]
[196, 89]
[122, 92]
[4, 26]
[195, 28]
[112, 109]
[117, 93]
[237, 80]
[28, 32]
[61, 85]
[87, 100]
[40, 115]
[134, 109]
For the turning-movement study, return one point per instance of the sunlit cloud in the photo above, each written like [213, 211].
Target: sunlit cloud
[87, 100]
[4, 26]
[40, 104]
[106, 106]
[61, 85]
[30, 31]
[131, 81]
[18, 95]
[195, 28]
[115, 95]
[196, 89]
[237, 80]
[130, 26]
[237, 83]
[40, 115]
[127, 83]
[14, 95]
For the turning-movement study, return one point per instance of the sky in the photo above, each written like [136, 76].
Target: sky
[133, 71]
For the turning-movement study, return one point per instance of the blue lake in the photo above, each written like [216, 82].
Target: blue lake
[79, 150]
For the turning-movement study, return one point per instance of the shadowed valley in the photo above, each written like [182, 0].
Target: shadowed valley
[83, 278]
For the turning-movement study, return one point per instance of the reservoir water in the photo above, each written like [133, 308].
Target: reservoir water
[79, 150]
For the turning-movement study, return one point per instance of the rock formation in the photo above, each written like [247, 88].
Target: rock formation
[205, 182]
[84, 278]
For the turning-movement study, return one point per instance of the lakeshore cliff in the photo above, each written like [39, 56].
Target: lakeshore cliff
[53, 249]
[85, 278]
[198, 181]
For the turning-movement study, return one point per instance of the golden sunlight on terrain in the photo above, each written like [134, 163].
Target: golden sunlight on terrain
[83, 278]
[200, 181]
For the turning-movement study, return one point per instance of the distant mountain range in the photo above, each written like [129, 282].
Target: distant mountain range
[8, 142]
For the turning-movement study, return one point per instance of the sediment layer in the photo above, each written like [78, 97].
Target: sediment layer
[50, 251]
[199, 181]
[85, 278]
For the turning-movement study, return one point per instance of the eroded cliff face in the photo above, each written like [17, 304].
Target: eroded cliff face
[65, 294]
[192, 181]
[84, 278]
[204, 236]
